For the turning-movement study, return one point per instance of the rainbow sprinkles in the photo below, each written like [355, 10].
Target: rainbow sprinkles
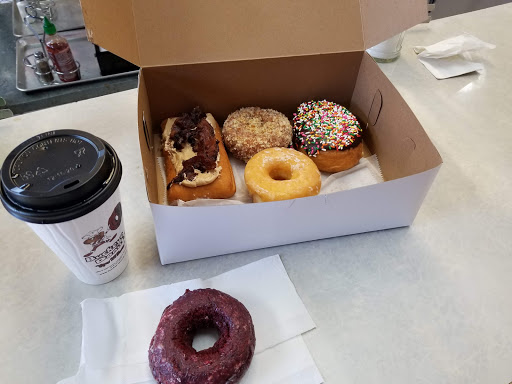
[324, 125]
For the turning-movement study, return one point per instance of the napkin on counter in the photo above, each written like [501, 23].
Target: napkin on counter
[117, 331]
[452, 57]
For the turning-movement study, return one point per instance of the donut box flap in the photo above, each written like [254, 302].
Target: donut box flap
[169, 32]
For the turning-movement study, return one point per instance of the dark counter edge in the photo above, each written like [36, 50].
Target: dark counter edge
[22, 102]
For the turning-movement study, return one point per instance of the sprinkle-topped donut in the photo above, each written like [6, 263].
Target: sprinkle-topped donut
[324, 125]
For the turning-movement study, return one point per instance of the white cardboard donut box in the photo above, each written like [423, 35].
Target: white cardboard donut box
[227, 54]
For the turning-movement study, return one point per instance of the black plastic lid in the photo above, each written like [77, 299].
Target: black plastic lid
[58, 176]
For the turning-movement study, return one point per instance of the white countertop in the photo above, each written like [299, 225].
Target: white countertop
[430, 303]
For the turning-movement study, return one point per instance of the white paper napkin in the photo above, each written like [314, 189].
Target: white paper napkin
[117, 331]
[452, 57]
[367, 172]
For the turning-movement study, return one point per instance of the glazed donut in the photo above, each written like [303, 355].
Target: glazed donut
[172, 358]
[329, 134]
[248, 131]
[281, 174]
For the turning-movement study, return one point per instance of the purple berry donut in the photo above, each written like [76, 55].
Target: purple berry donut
[172, 358]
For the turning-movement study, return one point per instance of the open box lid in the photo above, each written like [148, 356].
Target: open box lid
[169, 32]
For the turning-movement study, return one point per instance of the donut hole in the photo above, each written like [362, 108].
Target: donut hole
[204, 338]
[281, 172]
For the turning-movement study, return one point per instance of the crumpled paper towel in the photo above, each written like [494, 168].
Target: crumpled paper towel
[117, 331]
[452, 57]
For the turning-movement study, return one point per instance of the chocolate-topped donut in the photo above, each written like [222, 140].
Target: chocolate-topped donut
[172, 358]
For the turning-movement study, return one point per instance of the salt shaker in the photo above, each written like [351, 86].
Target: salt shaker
[42, 68]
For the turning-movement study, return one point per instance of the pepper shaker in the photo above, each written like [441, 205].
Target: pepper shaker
[42, 68]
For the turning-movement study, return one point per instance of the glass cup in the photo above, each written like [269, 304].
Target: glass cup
[387, 51]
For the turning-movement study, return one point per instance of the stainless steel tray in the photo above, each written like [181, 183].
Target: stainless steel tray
[83, 52]
[69, 16]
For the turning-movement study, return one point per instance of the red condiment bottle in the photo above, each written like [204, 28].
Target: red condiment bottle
[60, 53]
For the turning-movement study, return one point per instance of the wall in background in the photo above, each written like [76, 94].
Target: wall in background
[445, 8]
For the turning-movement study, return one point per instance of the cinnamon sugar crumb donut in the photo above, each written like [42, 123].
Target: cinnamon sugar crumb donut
[250, 130]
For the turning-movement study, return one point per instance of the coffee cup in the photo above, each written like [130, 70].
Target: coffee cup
[65, 185]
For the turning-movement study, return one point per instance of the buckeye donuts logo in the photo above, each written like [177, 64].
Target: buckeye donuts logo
[97, 237]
